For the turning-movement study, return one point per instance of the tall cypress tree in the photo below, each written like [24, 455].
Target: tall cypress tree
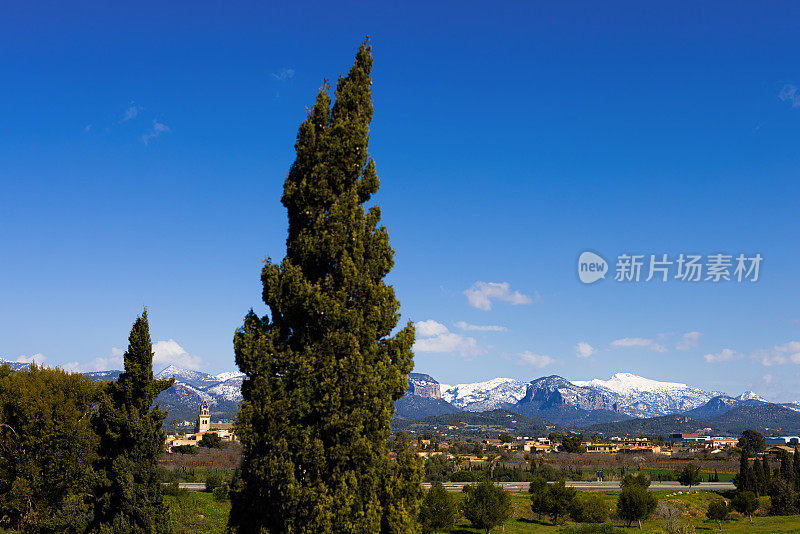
[322, 370]
[767, 472]
[128, 498]
[796, 468]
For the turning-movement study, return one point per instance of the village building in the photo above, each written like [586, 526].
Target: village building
[203, 426]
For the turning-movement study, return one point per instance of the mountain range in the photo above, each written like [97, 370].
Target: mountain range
[624, 404]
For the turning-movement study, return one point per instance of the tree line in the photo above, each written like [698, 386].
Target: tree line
[78, 456]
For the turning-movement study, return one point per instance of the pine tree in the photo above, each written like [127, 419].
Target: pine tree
[322, 371]
[128, 498]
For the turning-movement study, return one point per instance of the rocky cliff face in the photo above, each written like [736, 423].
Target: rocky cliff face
[556, 391]
[423, 386]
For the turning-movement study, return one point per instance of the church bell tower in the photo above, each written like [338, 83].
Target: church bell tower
[204, 418]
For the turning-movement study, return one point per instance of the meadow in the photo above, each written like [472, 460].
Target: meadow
[200, 513]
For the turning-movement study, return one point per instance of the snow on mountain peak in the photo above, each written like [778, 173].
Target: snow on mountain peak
[487, 395]
[749, 395]
[222, 377]
[625, 383]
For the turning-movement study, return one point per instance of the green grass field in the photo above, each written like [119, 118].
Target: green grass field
[200, 513]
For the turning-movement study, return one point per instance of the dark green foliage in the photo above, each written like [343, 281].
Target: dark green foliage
[635, 504]
[745, 479]
[47, 447]
[640, 480]
[589, 509]
[173, 489]
[787, 471]
[591, 529]
[506, 438]
[782, 498]
[540, 497]
[752, 441]
[185, 449]
[561, 501]
[759, 479]
[796, 468]
[211, 441]
[128, 495]
[767, 474]
[213, 481]
[746, 503]
[690, 475]
[438, 510]
[322, 371]
[571, 444]
[717, 511]
[486, 505]
[221, 493]
[438, 468]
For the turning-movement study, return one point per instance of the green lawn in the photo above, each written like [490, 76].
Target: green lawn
[200, 513]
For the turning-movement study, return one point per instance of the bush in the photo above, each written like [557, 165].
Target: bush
[438, 510]
[782, 498]
[590, 509]
[591, 529]
[221, 493]
[213, 481]
[173, 489]
[635, 504]
[717, 511]
[635, 480]
[210, 441]
[746, 503]
[486, 505]
[185, 449]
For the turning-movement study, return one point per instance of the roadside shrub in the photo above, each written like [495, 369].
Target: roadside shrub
[221, 493]
[213, 481]
[590, 509]
[486, 505]
[717, 511]
[438, 510]
[173, 489]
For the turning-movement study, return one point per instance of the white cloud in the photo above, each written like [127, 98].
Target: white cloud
[779, 354]
[37, 358]
[169, 352]
[789, 93]
[435, 337]
[481, 295]
[688, 340]
[725, 355]
[584, 350]
[131, 113]
[768, 378]
[638, 342]
[154, 132]
[536, 360]
[283, 75]
[429, 328]
[481, 328]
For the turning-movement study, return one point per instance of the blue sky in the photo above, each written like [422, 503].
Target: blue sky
[143, 149]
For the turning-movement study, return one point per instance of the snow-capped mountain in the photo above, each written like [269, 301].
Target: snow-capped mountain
[483, 396]
[749, 395]
[642, 397]
[187, 376]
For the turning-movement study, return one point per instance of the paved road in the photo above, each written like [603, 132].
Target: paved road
[523, 486]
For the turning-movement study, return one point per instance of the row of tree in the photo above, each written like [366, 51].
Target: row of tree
[755, 477]
[78, 456]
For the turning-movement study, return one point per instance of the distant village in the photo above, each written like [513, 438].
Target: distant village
[202, 427]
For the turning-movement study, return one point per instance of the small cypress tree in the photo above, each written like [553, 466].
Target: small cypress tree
[128, 497]
[322, 369]
[787, 471]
